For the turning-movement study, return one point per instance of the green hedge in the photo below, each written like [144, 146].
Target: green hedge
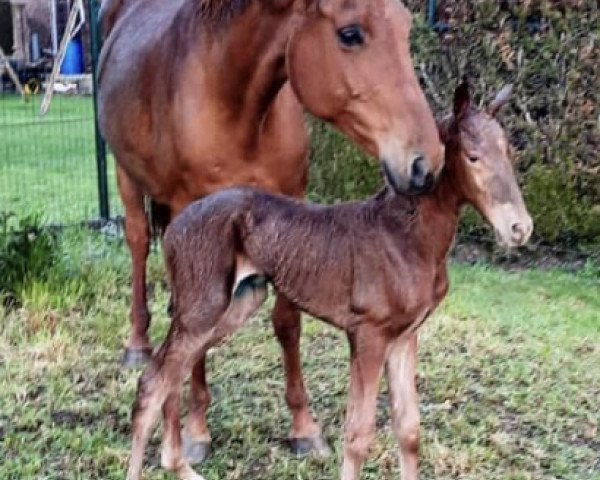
[550, 50]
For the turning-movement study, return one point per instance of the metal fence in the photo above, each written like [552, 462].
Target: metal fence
[55, 166]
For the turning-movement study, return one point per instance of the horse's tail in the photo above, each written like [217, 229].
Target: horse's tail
[159, 216]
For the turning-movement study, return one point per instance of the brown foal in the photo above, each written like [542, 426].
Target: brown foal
[199, 95]
[376, 269]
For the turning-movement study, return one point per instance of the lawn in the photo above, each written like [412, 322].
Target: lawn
[48, 165]
[509, 380]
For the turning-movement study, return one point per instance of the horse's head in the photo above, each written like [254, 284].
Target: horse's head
[349, 63]
[480, 164]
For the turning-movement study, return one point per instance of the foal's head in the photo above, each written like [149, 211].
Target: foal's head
[480, 163]
[349, 63]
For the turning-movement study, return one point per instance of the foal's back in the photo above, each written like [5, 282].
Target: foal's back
[319, 257]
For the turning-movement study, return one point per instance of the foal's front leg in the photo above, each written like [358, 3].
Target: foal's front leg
[401, 366]
[367, 356]
[306, 433]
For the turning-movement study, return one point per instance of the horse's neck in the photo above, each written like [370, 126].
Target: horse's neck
[244, 63]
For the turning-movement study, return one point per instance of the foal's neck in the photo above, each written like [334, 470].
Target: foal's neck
[438, 214]
[245, 66]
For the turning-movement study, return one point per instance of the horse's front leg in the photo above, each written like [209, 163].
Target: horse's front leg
[401, 372]
[367, 356]
[137, 232]
[306, 433]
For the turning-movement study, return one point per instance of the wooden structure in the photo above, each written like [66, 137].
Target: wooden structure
[5, 66]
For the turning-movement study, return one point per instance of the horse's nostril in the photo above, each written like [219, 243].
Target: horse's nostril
[519, 232]
[419, 176]
[418, 166]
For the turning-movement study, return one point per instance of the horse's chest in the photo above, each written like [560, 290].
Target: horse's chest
[210, 158]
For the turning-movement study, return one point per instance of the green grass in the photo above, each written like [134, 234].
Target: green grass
[48, 164]
[509, 380]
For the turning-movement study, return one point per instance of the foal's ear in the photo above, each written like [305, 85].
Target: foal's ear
[501, 99]
[462, 101]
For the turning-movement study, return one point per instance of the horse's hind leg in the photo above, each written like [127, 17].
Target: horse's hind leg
[138, 349]
[306, 433]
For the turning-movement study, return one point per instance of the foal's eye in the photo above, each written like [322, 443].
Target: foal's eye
[473, 159]
[351, 36]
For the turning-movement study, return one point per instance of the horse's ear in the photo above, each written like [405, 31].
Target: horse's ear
[313, 5]
[303, 6]
[462, 101]
[280, 5]
[501, 99]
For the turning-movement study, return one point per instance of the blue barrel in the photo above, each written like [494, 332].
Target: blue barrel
[73, 62]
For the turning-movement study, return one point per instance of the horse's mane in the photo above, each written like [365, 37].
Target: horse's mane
[219, 12]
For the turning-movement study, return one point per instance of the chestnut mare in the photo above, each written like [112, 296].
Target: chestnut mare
[198, 95]
[376, 269]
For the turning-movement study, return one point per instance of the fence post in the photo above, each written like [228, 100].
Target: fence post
[101, 164]
[431, 14]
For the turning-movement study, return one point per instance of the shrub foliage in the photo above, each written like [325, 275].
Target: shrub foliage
[27, 254]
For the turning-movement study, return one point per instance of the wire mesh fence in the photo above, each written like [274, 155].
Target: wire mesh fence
[48, 165]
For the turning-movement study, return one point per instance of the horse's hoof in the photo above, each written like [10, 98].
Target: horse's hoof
[187, 473]
[195, 452]
[310, 446]
[136, 357]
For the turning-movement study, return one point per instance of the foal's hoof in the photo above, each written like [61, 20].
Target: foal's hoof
[136, 357]
[310, 446]
[195, 452]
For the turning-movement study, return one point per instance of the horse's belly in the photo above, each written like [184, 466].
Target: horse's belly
[271, 171]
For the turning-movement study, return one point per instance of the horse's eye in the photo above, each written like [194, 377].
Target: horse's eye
[473, 159]
[351, 36]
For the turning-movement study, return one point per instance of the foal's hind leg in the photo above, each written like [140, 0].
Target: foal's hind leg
[138, 349]
[306, 433]
[159, 387]
[196, 441]
[249, 295]
[172, 456]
